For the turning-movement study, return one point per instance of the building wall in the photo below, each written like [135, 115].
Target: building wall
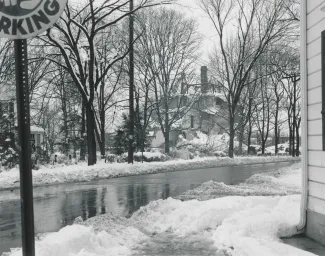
[158, 141]
[315, 20]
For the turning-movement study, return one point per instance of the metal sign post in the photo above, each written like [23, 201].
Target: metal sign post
[25, 163]
[20, 20]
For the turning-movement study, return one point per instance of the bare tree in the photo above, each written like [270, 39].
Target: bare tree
[241, 41]
[167, 50]
[289, 71]
[7, 67]
[264, 113]
[145, 105]
[77, 36]
[110, 89]
[276, 76]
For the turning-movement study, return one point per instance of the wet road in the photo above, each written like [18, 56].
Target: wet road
[58, 206]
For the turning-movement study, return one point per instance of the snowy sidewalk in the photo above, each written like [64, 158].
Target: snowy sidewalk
[306, 244]
[223, 226]
[81, 172]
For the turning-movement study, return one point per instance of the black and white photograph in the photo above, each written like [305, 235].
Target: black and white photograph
[162, 127]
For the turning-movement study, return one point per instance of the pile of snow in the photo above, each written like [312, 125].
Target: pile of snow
[286, 181]
[80, 240]
[236, 225]
[209, 143]
[102, 170]
[215, 142]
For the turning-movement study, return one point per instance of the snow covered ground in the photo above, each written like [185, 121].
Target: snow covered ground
[225, 226]
[82, 172]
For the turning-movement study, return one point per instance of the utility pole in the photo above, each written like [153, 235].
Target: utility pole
[131, 86]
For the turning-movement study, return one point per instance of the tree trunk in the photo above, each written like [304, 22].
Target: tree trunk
[231, 136]
[297, 137]
[290, 140]
[91, 141]
[293, 138]
[167, 131]
[65, 126]
[142, 143]
[102, 144]
[276, 132]
[294, 122]
[83, 130]
[249, 134]
[102, 134]
[167, 150]
[263, 145]
[139, 128]
[65, 114]
[240, 140]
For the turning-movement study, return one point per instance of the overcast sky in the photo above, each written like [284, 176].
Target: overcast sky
[191, 8]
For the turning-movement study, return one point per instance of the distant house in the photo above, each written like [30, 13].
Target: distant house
[8, 126]
[37, 136]
[313, 126]
[206, 114]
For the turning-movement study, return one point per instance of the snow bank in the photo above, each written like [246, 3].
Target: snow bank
[286, 181]
[79, 240]
[81, 172]
[238, 226]
[105, 235]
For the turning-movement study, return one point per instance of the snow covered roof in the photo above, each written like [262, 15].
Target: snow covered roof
[34, 128]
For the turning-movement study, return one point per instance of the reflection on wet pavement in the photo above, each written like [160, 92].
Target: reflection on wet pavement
[58, 206]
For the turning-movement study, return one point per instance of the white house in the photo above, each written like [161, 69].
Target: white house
[313, 127]
[37, 135]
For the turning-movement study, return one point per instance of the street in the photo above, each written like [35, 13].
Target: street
[58, 206]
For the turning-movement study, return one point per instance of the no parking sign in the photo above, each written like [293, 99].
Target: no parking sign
[21, 19]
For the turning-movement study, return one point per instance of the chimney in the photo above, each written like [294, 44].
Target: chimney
[204, 79]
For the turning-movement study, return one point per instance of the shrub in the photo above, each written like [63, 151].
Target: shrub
[150, 157]
[219, 154]
[9, 157]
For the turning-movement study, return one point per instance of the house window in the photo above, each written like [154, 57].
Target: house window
[218, 101]
[323, 88]
[192, 121]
